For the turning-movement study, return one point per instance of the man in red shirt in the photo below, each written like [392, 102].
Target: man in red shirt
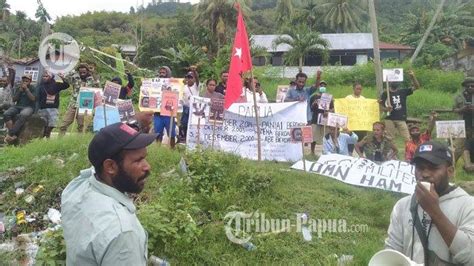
[417, 138]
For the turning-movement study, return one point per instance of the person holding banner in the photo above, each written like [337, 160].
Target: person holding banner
[435, 225]
[48, 99]
[83, 78]
[376, 146]
[357, 94]
[336, 142]
[396, 120]
[125, 92]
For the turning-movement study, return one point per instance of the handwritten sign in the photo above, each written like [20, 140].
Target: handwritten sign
[362, 113]
[393, 75]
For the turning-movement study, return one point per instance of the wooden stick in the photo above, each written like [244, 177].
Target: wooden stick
[171, 125]
[214, 130]
[198, 130]
[259, 145]
[453, 157]
[388, 97]
[105, 114]
[302, 148]
[86, 124]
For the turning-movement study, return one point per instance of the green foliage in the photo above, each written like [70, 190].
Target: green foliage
[343, 15]
[184, 56]
[52, 248]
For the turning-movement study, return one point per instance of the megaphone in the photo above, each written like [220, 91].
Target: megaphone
[390, 257]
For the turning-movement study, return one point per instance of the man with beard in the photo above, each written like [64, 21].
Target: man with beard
[48, 99]
[417, 138]
[82, 79]
[98, 216]
[435, 226]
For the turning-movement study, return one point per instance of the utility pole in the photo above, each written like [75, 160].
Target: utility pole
[375, 36]
[427, 32]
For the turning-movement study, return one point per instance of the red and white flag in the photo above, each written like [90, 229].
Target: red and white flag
[240, 62]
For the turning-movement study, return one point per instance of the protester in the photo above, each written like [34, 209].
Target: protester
[376, 146]
[464, 107]
[98, 217]
[435, 226]
[468, 156]
[317, 128]
[6, 90]
[81, 79]
[211, 90]
[301, 93]
[416, 138]
[190, 89]
[356, 94]
[48, 99]
[260, 95]
[25, 101]
[396, 119]
[125, 92]
[221, 88]
[336, 142]
[163, 122]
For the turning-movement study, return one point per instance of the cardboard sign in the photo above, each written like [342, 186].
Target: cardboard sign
[111, 93]
[216, 112]
[126, 111]
[323, 121]
[301, 134]
[112, 115]
[324, 102]
[337, 120]
[151, 93]
[362, 112]
[169, 103]
[86, 102]
[393, 75]
[455, 129]
[282, 90]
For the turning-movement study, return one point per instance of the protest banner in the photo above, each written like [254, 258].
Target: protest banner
[337, 120]
[392, 175]
[111, 93]
[126, 111]
[151, 93]
[109, 115]
[455, 129]
[324, 102]
[282, 90]
[169, 103]
[86, 101]
[237, 133]
[392, 75]
[362, 113]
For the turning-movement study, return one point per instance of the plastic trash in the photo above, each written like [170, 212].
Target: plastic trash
[345, 260]
[304, 228]
[54, 216]
[183, 166]
[19, 191]
[155, 261]
[249, 246]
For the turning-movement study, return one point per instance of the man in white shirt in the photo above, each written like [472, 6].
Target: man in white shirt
[190, 89]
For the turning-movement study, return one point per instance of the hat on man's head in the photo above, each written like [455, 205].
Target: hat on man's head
[117, 80]
[189, 74]
[468, 80]
[112, 139]
[27, 76]
[433, 152]
[323, 82]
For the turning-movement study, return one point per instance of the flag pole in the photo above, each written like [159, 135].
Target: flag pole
[255, 108]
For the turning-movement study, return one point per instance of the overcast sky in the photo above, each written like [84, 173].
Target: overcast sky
[57, 8]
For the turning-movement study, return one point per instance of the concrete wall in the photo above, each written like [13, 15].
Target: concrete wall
[290, 72]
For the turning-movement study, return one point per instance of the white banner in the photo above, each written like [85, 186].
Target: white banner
[237, 134]
[392, 175]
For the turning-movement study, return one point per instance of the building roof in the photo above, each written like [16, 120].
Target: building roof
[394, 46]
[337, 41]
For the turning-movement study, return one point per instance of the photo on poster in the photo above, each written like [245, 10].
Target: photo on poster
[324, 103]
[337, 120]
[455, 129]
[216, 113]
[169, 103]
[282, 90]
[126, 111]
[111, 93]
[86, 102]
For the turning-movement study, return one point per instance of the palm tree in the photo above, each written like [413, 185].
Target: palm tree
[41, 13]
[183, 56]
[343, 15]
[302, 42]
[284, 11]
[4, 9]
[217, 15]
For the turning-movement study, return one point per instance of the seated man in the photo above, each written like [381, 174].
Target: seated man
[335, 142]
[376, 146]
[434, 226]
[25, 103]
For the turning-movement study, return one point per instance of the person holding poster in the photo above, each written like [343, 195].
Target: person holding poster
[259, 93]
[83, 78]
[48, 99]
[464, 107]
[417, 138]
[376, 146]
[211, 90]
[435, 225]
[318, 130]
[163, 122]
[356, 94]
[125, 92]
[337, 142]
[190, 89]
[301, 93]
[396, 120]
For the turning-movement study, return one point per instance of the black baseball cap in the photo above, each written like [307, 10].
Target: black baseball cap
[434, 152]
[112, 139]
[189, 74]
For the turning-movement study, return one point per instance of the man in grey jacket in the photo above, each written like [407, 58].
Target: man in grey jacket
[434, 226]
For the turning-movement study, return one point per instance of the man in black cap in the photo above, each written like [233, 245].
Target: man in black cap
[435, 226]
[98, 217]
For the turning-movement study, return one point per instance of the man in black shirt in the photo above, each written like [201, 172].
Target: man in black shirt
[397, 109]
[223, 84]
